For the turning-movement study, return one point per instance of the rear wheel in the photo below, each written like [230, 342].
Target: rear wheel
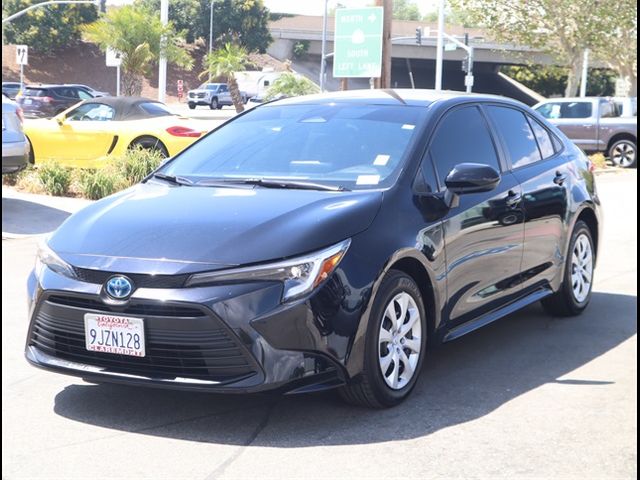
[575, 293]
[150, 143]
[624, 153]
[395, 345]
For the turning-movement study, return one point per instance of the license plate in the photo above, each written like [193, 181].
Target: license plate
[28, 101]
[113, 334]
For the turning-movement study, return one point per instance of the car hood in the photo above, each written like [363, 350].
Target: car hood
[166, 229]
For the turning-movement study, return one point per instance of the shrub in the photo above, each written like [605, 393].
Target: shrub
[55, 178]
[598, 160]
[301, 49]
[136, 164]
[95, 184]
[29, 181]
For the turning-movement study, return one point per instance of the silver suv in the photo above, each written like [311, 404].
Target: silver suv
[15, 146]
[214, 95]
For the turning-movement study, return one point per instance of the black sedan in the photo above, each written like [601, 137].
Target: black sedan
[319, 242]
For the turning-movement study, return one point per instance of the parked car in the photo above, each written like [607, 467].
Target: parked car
[627, 106]
[15, 146]
[49, 100]
[10, 89]
[95, 130]
[214, 95]
[324, 252]
[595, 125]
[87, 88]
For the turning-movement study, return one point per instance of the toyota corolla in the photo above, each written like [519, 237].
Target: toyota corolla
[320, 242]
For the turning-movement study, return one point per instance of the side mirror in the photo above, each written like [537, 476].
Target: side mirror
[60, 118]
[470, 178]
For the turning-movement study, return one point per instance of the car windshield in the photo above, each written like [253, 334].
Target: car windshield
[352, 146]
[209, 86]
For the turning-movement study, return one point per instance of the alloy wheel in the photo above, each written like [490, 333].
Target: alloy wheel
[399, 341]
[581, 268]
[624, 154]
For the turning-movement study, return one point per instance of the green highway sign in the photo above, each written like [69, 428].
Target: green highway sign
[358, 43]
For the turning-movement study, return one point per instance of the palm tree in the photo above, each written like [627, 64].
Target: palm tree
[223, 63]
[137, 34]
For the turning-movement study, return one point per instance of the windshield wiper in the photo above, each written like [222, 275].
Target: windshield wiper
[274, 183]
[172, 179]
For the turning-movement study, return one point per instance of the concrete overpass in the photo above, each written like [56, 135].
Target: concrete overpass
[407, 55]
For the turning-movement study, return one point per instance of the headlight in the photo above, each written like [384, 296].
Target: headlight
[299, 275]
[47, 257]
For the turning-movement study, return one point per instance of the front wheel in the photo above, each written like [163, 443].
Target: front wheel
[192, 106]
[395, 345]
[214, 105]
[624, 153]
[575, 292]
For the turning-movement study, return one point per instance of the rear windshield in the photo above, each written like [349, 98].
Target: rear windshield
[35, 92]
[354, 146]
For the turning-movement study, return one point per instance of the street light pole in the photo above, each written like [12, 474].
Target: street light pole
[440, 45]
[585, 73]
[323, 61]
[51, 2]
[162, 72]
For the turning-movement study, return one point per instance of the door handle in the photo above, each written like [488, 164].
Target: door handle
[513, 198]
[559, 178]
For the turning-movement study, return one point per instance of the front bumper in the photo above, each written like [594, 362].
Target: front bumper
[233, 339]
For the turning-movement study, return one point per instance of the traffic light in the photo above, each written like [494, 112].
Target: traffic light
[467, 64]
[419, 36]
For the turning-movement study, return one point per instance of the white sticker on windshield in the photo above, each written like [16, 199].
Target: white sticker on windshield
[406, 126]
[368, 180]
[381, 160]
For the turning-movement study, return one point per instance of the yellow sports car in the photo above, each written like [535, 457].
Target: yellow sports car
[92, 131]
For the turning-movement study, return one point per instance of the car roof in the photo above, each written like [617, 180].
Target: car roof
[409, 97]
[127, 108]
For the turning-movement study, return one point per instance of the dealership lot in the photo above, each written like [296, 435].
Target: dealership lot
[528, 396]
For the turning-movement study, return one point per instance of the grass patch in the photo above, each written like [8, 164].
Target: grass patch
[55, 178]
[598, 160]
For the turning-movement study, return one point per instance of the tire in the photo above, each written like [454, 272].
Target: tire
[624, 153]
[150, 143]
[192, 106]
[214, 105]
[220, 107]
[374, 389]
[566, 302]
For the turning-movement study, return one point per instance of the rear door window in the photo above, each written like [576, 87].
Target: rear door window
[462, 137]
[560, 110]
[516, 134]
[545, 140]
[35, 92]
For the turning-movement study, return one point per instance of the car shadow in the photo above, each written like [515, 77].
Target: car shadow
[21, 217]
[462, 381]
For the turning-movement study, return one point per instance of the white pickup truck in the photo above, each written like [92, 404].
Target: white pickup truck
[213, 95]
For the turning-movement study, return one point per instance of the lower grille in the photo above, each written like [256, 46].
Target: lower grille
[193, 347]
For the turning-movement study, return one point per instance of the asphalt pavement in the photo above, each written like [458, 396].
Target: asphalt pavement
[526, 397]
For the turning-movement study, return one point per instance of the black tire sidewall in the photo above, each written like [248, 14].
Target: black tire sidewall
[394, 283]
[192, 106]
[214, 104]
[576, 307]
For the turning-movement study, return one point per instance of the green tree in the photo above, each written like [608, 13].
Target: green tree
[620, 47]
[291, 85]
[406, 10]
[240, 21]
[137, 32]
[551, 81]
[224, 63]
[564, 29]
[47, 29]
